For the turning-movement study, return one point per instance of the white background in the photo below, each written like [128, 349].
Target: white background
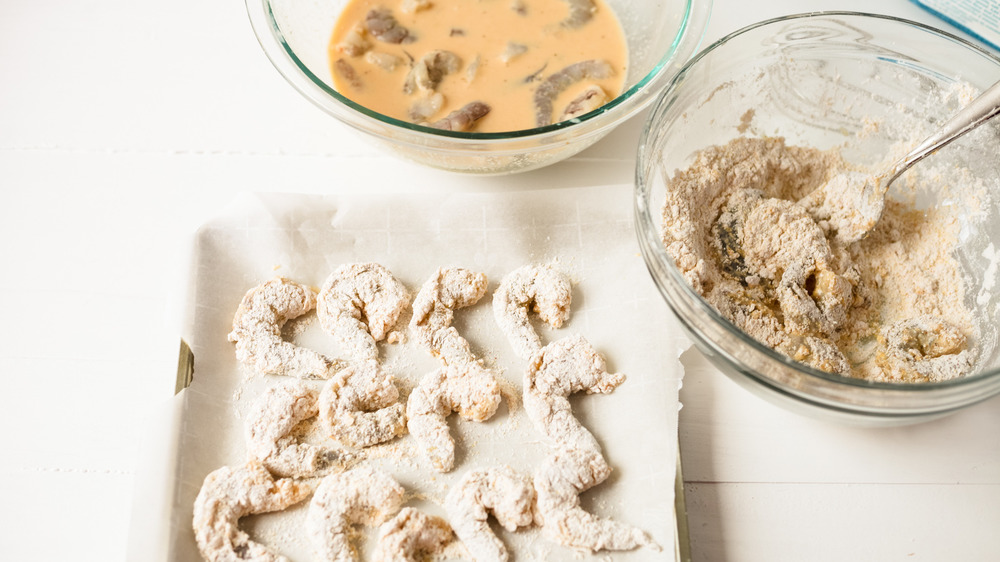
[124, 125]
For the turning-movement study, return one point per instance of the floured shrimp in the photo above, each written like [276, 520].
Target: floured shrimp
[559, 481]
[469, 389]
[271, 420]
[358, 305]
[539, 288]
[508, 494]
[434, 311]
[231, 493]
[358, 407]
[556, 83]
[411, 536]
[560, 369]
[923, 348]
[360, 496]
[257, 332]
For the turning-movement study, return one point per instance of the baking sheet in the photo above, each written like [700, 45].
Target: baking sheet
[586, 232]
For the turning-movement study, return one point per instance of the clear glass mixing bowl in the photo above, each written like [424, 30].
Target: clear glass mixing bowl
[661, 35]
[817, 80]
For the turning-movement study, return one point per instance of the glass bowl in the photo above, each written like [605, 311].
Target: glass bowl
[818, 80]
[661, 35]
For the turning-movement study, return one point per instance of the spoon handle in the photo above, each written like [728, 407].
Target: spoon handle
[971, 116]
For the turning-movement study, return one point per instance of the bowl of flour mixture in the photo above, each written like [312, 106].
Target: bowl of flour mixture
[740, 199]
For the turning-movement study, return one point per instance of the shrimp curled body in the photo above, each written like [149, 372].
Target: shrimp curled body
[360, 496]
[539, 288]
[257, 332]
[358, 305]
[231, 493]
[469, 389]
[272, 418]
[359, 407]
[411, 536]
[508, 494]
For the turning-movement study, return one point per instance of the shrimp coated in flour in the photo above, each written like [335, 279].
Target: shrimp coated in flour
[359, 407]
[360, 496]
[559, 481]
[257, 332]
[228, 494]
[411, 536]
[272, 418]
[358, 305]
[560, 369]
[469, 389]
[508, 494]
[434, 311]
[539, 288]
[557, 82]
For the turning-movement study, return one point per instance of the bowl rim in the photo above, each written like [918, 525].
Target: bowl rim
[652, 244]
[694, 24]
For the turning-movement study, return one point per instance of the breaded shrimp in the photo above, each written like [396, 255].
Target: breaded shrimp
[508, 494]
[411, 536]
[434, 311]
[360, 496]
[469, 389]
[562, 368]
[358, 407]
[540, 288]
[358, 305]
[559, 481]
[231, 493]
[257, 332]
[273, 416]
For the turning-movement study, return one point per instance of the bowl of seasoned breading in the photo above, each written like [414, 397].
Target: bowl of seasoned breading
[743, 211]
[482, 87]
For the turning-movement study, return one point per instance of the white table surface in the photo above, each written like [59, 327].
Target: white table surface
[124, 125]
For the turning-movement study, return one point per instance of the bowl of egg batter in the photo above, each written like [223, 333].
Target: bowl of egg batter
[484, 87]
[737, 206]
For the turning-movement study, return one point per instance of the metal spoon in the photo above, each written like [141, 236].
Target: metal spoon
[869, 191]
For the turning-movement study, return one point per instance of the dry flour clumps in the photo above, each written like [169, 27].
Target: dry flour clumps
[748, 224]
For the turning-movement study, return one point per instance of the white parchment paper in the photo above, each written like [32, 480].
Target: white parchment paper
[586, 232]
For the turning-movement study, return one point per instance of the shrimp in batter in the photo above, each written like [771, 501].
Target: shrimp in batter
[257, 332]
[382, 25]
[434, 311]
[272, 418]
[358, 305]
[231, 493]
[508, 494]
[557, 82]
[359, 407]
[360, 496]
[411, 536]
[469, 389]
[580, 12]
[464, 118]
[540, 288]
[559, 481]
